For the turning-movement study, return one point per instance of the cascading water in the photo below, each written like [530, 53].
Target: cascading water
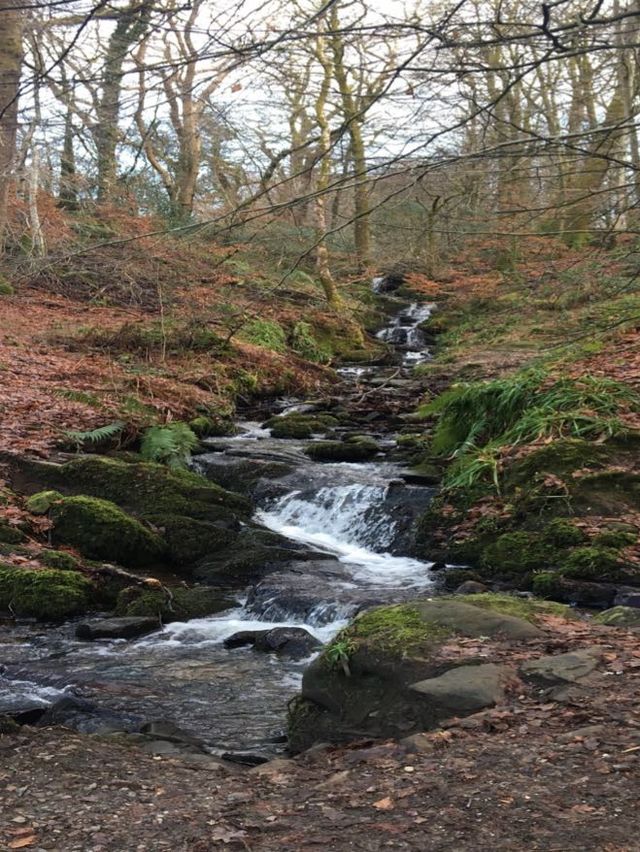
[357, 518]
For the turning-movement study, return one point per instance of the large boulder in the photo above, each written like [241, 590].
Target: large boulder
[172, 604]
[619, 616]
[386, 674]
[101, 530]
[46, 594]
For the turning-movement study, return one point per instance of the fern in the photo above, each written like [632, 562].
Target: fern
[95, 436]
[170, 444]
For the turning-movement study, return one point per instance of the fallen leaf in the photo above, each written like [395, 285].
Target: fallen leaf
[21, 842]
[385, 804]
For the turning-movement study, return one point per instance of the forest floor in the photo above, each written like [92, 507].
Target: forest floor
[533, 773]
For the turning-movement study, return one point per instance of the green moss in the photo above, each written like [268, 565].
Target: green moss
[517, 553]
[207, 427]
[40, 503]
[390, 629]
[619, 616]
[46, 594]
[529, 609]
[100, 530]
[558, 457]
[546, 584]
[10, 534]
[176, 604]
[300, 425]
[145, 488]
[6, 289]
[592, 563]
[361, 449]
[616, 539]
[59, 559]
[563, 533]
[267, 333]
[189, 539]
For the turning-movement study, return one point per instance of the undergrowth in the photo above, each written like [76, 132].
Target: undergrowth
[479, 421]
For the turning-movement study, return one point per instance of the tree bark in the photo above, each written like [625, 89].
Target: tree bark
[11, 22]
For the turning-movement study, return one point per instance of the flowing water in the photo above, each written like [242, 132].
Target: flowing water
[356, 516]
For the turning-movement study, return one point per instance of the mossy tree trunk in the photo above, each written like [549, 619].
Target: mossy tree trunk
[11, 24]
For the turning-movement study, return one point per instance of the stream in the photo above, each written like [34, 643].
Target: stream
[356, 517]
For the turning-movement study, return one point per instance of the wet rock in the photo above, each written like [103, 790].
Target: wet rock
[116, 628]
[313, 591]
[619, 616]
[562, 668]
[175, 604]
[243, 475]
[465, 689]
[241, 639]
[352, 450]
[170, 732]
[294, 642]
[255, 553]
[627, 598]
[471, 587]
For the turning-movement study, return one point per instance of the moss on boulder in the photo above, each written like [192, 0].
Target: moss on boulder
[189, 539]
[517, 553]
[10, 534]
[211, 427]
[363, 683]
[176, 604]
[101, 530]
[619, 616]
[59, 559]
[41, 503]
[352, 450]
[46, 594]
[300, 425]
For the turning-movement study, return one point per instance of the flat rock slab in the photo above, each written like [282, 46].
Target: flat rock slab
[116, 628]
[466, 689]
[474, 621]
[562, 668]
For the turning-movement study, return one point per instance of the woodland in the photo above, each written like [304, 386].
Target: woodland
[319, 424]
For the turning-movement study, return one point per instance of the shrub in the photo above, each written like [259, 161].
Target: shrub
[170, 444]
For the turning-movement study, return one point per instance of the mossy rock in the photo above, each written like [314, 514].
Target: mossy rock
[361, 685]
[358, 450]
[175, 604]
[253, 554]
[143, 488]
[559, 458]
[59, 559]
[516, 553]
[46, 594]
[210, 427]
[41, 503]
[619, 616]
[6, 289]
[617, 539]
[10, 534]
[592, 563]
[300, 425]
[529, 609]
[189, 539]
[561, 532]
[101, 530]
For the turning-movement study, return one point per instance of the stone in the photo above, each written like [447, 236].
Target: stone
[418, 743]
[117, 628]
[619, 616]
[627, 598]
[295, 642]
[465, 689]
[475, 621]
[273, 767]
[471, 587]
[562, 668]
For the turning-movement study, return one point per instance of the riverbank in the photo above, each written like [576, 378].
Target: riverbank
[532, 773]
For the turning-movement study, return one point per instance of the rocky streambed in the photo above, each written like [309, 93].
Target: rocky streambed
[330, 534]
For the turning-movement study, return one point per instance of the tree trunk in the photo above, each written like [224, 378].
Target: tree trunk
[10, 67]
[68, 193]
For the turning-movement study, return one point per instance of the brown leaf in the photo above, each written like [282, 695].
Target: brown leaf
[385, 804]
[22, 842]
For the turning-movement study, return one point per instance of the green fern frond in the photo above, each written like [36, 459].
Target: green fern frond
[171, 444]
[95, 436]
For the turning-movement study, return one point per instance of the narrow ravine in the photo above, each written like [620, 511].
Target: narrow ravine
[356, 518]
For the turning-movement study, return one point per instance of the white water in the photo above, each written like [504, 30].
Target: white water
[405, 334]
